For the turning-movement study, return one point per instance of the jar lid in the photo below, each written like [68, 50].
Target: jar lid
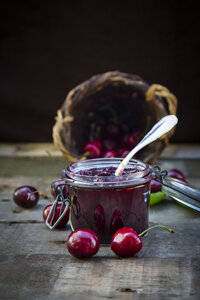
[100, 173]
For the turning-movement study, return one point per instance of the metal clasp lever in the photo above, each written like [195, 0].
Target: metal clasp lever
[58, 187]
[178, 190]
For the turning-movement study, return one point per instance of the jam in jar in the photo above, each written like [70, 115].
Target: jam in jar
[103, 202]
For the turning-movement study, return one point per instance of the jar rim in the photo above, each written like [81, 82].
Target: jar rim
[139, 173]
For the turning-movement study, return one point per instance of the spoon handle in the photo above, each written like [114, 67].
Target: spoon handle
[159, 129]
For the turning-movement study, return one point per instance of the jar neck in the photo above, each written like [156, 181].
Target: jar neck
[99, 173]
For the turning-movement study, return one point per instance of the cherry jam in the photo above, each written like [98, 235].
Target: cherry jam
[104, 202]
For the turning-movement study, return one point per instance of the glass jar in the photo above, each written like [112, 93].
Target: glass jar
[103, 202]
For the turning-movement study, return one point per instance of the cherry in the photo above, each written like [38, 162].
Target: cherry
[26, 196]
[63, 187]
[109, 144]
[155, 186]
[98, 143]
[113, 130]
[175, 173]
[110, 153]
[83, 243]
[132, 139]
[126, 242]
[64, 219]
[123, 152]
[92, 150]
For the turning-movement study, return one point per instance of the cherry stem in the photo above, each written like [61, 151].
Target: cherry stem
[88, 153]
[169, 229]
[70, 213]
[30, 194]
[45, 196]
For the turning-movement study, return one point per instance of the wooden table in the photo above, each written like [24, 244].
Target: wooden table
[35, 264]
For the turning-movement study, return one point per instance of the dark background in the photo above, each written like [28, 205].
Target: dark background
[48, 47]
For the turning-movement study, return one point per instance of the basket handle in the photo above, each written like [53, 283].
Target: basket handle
[161, 91]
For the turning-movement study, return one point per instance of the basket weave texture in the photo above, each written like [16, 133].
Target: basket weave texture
[135, 103]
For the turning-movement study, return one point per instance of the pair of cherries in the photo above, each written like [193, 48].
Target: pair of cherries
[84, 243]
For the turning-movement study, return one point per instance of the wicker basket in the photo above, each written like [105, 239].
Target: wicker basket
[135, 104]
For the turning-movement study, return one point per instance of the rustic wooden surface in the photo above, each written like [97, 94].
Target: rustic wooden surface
[35, 264]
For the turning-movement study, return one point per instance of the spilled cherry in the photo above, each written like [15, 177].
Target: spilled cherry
[123, 152]
[175, 173]
[64, 219]
[113, 130]
[92, 150]
[126, 242]
[98, 143]
[62, 187]
[110, 153]
[83, 243]
[26, 196]
[156, 186]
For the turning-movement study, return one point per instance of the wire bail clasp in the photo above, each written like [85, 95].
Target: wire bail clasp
[59, 189]
[159, 175]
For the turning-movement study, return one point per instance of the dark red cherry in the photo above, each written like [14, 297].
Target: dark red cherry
[110, 153]
[26, 196]
[109, 144]
[92, 150]
[83, 243]
[113, 130]
[126, 242]
[132, 139]
[98, 143]
[62, 222]
[123, 152]
[175, 173]
[63, 187]
[155, 186]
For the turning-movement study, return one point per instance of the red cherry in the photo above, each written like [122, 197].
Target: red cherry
[175, 173]
[155, 186]
[113, 130]
[62, 222]
[126, 242]
[110, 153]
[109, 144]
[92, 150]
[98, 143]
[83, 243]
[123, 152]
[26, 196]
[63, 187]
[132, 139]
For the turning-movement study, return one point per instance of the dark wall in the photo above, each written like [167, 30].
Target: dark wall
[48, 47]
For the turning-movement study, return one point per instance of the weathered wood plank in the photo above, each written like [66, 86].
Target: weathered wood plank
[54, 276]
[29, 150]
[143, 279]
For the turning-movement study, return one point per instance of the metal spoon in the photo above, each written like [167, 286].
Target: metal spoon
[159, 129]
